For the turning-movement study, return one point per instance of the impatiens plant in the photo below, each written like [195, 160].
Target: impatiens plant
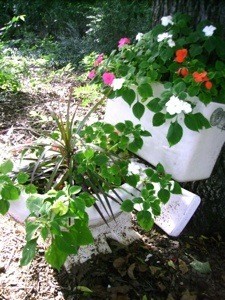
[78, 166]
[189, 62]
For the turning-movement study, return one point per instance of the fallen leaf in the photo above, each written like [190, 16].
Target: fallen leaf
[161, 286]
[171, 264]
[154, 269]
[201, 267]
[183, 266]
[142, 268]
[130, 271]
[188, 296]
[119, 262]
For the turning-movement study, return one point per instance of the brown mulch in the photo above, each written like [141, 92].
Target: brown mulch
[155, 267]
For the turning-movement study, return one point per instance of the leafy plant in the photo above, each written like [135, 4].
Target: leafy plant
[76, 167]
[189, 64]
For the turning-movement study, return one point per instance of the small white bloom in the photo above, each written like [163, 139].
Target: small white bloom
[208, 30]
[139, 36]
[148, 257]
[133, 168]
[166, 20]
[171, 43]
[176, 106]
[117, 83]
[164, 36]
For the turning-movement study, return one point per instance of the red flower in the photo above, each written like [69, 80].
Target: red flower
[200, 77]
[183, 72]
[208, 85]
[181, 55]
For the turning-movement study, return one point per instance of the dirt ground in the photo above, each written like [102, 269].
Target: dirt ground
[155, 267]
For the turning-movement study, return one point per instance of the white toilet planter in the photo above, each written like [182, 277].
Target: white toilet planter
[174, 217]
[194, 157]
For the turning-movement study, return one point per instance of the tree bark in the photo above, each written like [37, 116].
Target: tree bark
[210, 216]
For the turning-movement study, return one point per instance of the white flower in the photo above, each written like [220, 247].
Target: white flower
[164, 36]
[139, 36]
[117, 83]
[176, 106]
[171, 43]
[166, 20]
[133, 168]
[208, 30]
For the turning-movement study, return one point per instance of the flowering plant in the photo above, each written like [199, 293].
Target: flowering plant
[189, 62]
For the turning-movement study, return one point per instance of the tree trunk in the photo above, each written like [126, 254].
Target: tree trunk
[210, 216]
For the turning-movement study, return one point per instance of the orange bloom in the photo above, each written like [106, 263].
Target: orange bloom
[181, 54]
[208, 85]
[200, 77]
[183, 72]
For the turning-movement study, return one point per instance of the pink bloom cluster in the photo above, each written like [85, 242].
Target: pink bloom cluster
[123, 41]
[108, 78]
[98, 60]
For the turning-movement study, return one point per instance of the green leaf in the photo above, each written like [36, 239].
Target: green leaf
[128, 95]
[174, 134]
[4, 206]
[10, 192]
[75, 189]
[89, 153]
[154, 105]
[202, 121]
[55, 257]
[164, 195]
[29, 252]
[127, 206]
[179, 87]
[191, 122]
[145, 90]
[133, 180]
[84, 289]
[34, 204]
[120, 126]
[156, 209]
[158, 119]
[145, 133]
[30, 189]
[138, 110]
[201, 267]
[84, 234]
[145, 220]
[22, 177]
[67, 242]
[31, 230]
[149, 172]
[78, 204]
[44, 233]
[6, 167]
[176, 188]
[88, 199]
[195, 50]
[101, 159]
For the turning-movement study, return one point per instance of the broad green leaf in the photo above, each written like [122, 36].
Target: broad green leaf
[34, 204]
[10, 192]
[55, 257]
[127, 206]
[28, 253]
[84, 234]
[128, 95]
[164, 195]
[30, 189]
[120, 127]
[145, 90]
[22, 177]
[145, 133]
[145, 220]
[67, 242]
[88, 199]
[201, 267]
[158, 119]
[202, 121]
[44, 233]
[31, 230]
[78, 204]
[179, 87]
[4, 206]
[75, 189]
[156, 209]
[191, 122]
[132, 180]
[195, 50]
[6, 167]
[149, 172]
[176, 188]
[89, 153]
[154, 105]
[101, 159]
[174, 134]
[138, 110]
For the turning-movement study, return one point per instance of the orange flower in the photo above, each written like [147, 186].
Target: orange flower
[181, 55]
[183, 72]
[200, 77]
[208, 85]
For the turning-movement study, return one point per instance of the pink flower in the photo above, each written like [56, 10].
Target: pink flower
[92, 74]
[108, 78]
[123, 41]
[98, 60]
